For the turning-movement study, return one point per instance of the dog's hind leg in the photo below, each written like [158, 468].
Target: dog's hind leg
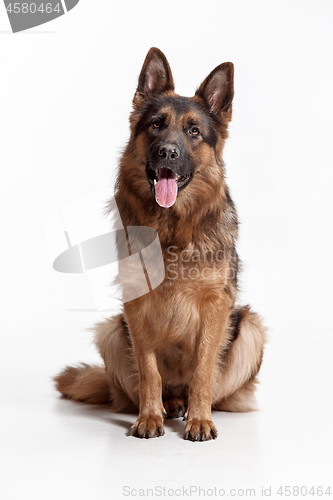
[116, 382]
[235, 374]
[114, 344]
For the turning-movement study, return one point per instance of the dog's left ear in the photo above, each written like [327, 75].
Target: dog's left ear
[155, 77]
[217, 90]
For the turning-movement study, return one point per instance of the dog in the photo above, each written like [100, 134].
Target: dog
[185, 348]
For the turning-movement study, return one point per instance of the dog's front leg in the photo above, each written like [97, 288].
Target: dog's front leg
[199, 426]
[150, 420]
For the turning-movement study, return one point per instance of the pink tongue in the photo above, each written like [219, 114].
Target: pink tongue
[166, 189]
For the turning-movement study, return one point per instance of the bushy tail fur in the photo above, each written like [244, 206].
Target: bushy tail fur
[91, 384]
[84, 383]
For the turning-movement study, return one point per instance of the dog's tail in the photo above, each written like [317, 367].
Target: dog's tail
[84, 383]
[90, 384]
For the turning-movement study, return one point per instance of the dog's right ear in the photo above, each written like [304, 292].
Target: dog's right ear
[155, 77]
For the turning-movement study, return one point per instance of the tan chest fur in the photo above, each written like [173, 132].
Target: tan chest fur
[169, 319]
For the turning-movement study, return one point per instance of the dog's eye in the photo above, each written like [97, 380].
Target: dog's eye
[194, 131]
[156, 124]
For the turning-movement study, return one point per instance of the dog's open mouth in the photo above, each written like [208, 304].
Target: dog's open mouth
[165, 185]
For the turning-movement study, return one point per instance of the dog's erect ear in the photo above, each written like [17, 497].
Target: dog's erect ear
[155, 77]
[218, 90]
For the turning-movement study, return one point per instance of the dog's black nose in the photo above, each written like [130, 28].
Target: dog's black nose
[169, 152]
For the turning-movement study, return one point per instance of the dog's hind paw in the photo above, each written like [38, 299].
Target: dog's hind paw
[147, 427]
[200, 430]
[175, 407]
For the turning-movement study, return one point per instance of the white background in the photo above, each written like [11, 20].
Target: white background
[65, 95]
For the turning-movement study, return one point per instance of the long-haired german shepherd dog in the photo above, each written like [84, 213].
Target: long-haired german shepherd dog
[185, 347]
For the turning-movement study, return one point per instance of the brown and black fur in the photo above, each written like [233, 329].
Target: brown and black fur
[185, 348]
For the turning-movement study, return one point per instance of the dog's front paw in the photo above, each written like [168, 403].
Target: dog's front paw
[200, 430]
[147, 427]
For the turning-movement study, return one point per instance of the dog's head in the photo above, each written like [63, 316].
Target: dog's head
[177, 142]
